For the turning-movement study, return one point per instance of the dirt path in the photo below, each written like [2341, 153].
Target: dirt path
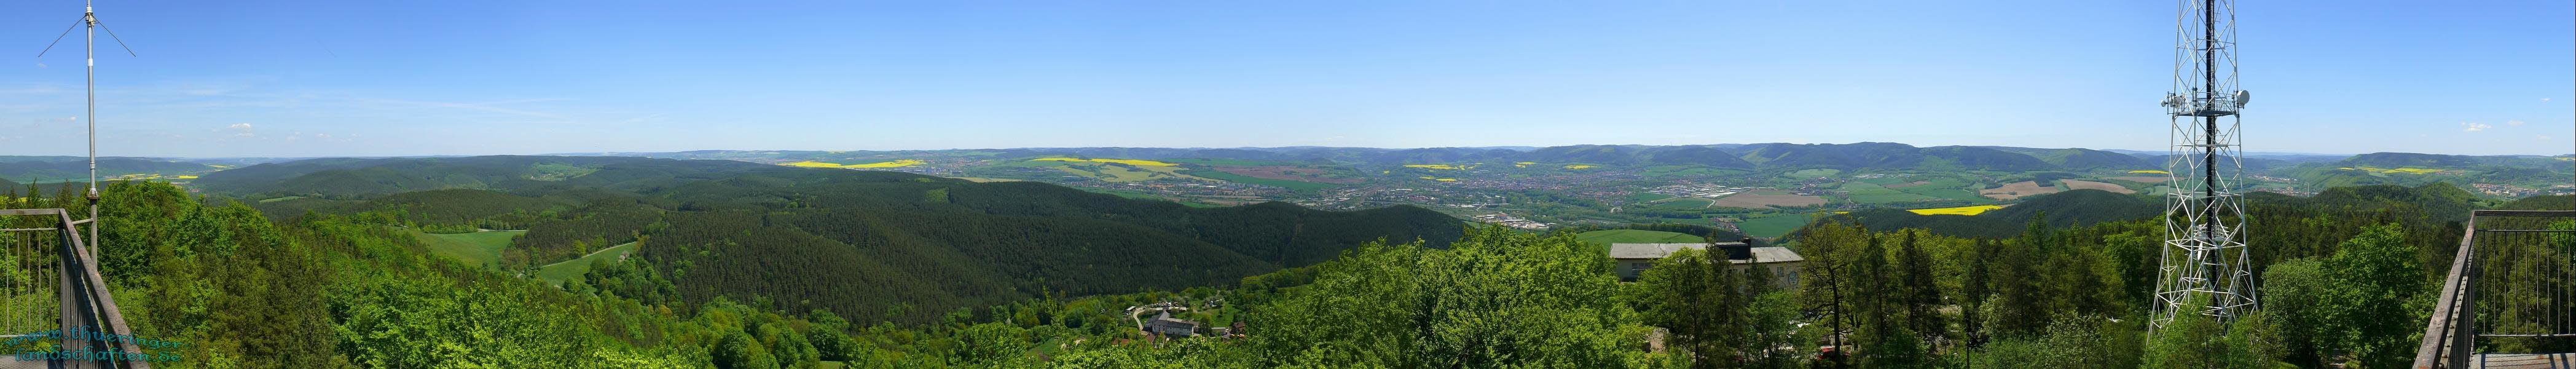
[586, 256]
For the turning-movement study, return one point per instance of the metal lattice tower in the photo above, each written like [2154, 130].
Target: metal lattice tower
[2206, 264]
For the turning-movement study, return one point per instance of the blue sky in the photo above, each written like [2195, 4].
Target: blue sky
[343, 78]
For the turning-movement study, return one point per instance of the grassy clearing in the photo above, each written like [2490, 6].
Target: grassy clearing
[1438, 166]
[1772, 226]
[886, 164]
[1813, 173]
[1947, 188]
[1948, 193]
[1119, 172]
[280, 199]
[1647, 196]
[2078, 185]
[1766, 199]
[1866, 193]
[2148, 171]
[557, 273]
[1244, 179]
[477, 248]
[1682, 203]
[558, 172]
[1122, 174]
[1963, 210]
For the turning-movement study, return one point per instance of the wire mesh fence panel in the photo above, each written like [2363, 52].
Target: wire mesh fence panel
[31, 272]
[2525, 284]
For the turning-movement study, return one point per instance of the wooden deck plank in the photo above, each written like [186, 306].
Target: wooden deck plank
[2519, 361]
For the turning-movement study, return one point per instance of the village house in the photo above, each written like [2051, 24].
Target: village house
[1632, 259]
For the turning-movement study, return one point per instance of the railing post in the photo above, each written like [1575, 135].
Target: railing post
[2449, 333]
[72, 308]
[2464, 339]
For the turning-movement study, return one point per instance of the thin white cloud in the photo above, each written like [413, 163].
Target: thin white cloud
[2513, 123]
[238, 130]
[2474, 127]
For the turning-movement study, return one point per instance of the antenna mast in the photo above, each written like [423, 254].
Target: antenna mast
[2206, 267]
[89, 54]
[89, 72]
[89, 61]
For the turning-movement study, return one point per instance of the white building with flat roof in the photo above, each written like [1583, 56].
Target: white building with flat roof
[1632, 259]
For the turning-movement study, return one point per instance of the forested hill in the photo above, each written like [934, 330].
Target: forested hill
[2071, 208]
[349, 177]
[859, 243]
[57, 168]
[2428, 204]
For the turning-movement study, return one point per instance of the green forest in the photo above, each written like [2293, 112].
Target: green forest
[795, 268]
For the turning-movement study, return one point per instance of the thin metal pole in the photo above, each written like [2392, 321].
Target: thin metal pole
[89, 15]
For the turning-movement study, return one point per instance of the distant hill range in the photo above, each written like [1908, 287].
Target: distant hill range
[61, 168]
[866, 243]
[2070, 208]
[1851, 156]
[2430, 203]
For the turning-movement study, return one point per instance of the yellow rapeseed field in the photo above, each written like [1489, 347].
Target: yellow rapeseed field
[1963, 210]
[1578, 166]
[1435, 166]
[888, 164]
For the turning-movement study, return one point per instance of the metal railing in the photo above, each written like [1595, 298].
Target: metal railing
[51, 288]
[2511, 290]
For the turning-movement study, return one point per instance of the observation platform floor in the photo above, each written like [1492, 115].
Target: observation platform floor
[2521, 361]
